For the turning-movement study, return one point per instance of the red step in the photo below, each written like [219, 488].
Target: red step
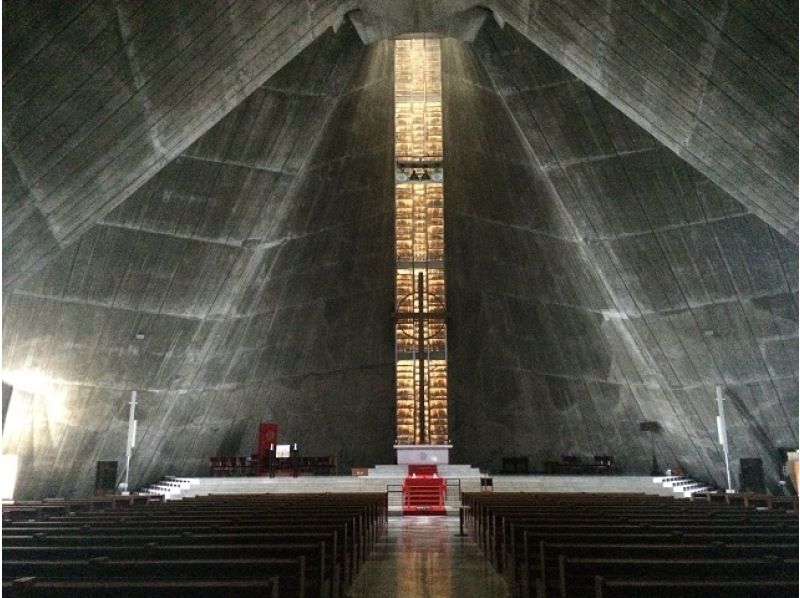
[423, 491]
[422, 470]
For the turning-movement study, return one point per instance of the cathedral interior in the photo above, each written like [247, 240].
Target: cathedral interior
[199, 206]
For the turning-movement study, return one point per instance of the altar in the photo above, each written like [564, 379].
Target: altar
[423, 454]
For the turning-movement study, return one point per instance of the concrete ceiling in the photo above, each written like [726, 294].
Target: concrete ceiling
[715, 82]
[218, 177]
[99, 96]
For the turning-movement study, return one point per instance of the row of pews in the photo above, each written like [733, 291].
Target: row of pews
[41, 509]
[623, 545]
[284, 545]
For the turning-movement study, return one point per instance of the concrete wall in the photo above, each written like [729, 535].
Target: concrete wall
[607, 281]
[326, 371]
[609, 261]
[533, 366]
[259, 296]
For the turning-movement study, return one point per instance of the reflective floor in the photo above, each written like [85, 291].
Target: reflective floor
[421, 557]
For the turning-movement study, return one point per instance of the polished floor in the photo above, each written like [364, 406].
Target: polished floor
[424, 557]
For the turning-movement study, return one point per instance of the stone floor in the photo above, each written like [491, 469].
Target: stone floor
[424, 557]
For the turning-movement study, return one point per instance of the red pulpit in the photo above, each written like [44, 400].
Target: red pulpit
[267, 436]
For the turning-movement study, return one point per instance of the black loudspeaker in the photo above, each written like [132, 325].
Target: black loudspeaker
[752, 475]
[649, 427]
[105, 481]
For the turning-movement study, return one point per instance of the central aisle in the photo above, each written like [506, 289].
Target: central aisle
[423, 557]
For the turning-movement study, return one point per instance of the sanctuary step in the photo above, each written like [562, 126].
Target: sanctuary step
[387, 477]
[424, 491]
[684, 486]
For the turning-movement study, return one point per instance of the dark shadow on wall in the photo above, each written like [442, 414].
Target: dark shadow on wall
[532, 369]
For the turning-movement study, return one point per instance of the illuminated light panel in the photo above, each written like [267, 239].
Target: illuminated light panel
[419, 222]
[420, 328]
[408, 398]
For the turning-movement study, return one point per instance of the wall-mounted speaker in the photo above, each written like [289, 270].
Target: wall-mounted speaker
[105, 480]
[649, 426]
[752, 475]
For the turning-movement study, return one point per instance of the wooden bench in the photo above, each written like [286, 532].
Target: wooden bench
[290, 573]
[39, 509]
[550, 554]
[577, 575]
[535, 540]
[716, 588]
[32, 587]
[328, 559]
[205, 541]
[507, 534]
[527, 566]
[318, 572]
[747, 499]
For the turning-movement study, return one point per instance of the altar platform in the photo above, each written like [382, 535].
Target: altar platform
[390, 477]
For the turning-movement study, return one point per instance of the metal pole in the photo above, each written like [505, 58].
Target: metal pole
[722, 432]
[131, 442]
[421, 340]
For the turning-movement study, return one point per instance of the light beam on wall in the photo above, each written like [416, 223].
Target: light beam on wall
[420, 317]
[8, 476]
[42, 399]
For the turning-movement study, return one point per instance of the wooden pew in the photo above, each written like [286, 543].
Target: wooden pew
[506, 536]
[577, 575]
[338, 538]
[529, 563]
[716, 588]
[290, 572]
[39, 509]
[332, 534]
[550, 553]
[318, 573]
[525, 535]
[32, 587]
[330, 562]
[754, 499]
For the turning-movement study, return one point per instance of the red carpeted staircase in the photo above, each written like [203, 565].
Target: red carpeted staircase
[424, 491]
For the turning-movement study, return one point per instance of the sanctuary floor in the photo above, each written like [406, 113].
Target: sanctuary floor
[423, 557]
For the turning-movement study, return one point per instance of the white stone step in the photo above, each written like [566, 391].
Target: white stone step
[669, 478]
[678, 486]
[693, 485]
[178, 487]
[681, 484]
[675, 482]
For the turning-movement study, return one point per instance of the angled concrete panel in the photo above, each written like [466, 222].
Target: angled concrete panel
[187, 261]
[694, 278]
[101, 96]
[715, 82]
